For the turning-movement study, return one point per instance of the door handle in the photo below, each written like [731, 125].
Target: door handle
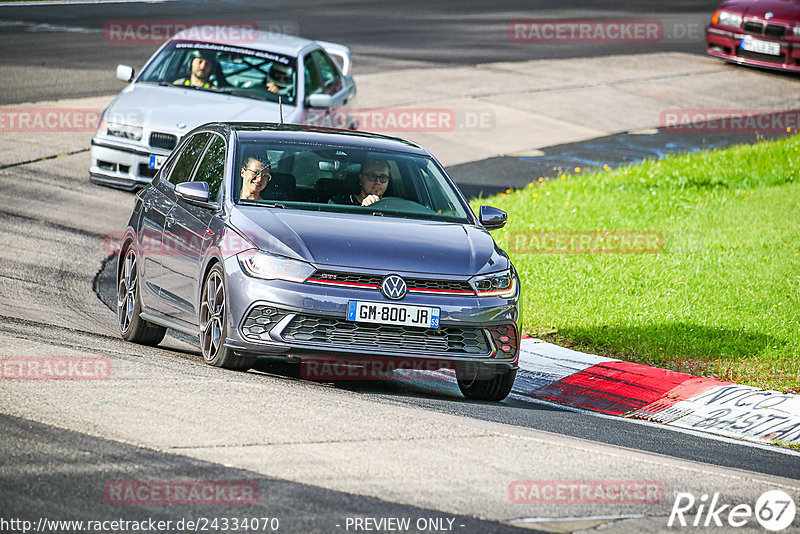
[170, 220]
[147, 204]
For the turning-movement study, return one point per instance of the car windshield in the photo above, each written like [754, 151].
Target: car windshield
[339, 178]
[225, 69]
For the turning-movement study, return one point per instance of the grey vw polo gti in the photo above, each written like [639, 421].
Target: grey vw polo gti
[311, 244]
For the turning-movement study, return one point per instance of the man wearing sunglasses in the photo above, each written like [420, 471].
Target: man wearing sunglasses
[279, 80]
[255, 177]
[374, 180]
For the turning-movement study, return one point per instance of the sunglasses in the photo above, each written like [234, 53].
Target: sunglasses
[262, 171]
[382, 178]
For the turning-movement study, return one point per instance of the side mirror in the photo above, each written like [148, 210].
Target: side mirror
[492, 218]
[124, 73]
[194, 193]
[320, 101]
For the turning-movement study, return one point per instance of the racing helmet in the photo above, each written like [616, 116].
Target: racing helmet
[281, 76]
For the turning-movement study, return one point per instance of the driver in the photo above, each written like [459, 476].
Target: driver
[255, 177]
[201, 67]
[374, 179]
[279, 79]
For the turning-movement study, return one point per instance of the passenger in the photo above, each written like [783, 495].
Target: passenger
[279, 80]
[374, 180]
[201, 68]
[255, 177]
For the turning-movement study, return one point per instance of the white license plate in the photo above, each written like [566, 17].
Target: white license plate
[395, 314]
[760, 47]
[156, 161]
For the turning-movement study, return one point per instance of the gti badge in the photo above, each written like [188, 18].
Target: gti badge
[393, 287]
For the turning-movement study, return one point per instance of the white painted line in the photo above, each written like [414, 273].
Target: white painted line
[587, 518]
[80, 2]
[45, 27]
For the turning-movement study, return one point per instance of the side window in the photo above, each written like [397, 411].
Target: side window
[212, 167]
[182, 170]
[331, 81]
[313, 83]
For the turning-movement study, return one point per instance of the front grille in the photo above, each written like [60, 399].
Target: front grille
[761, 57]
[163, 140]
[419, 284]
[260, 321]
[346, 278]
[145, 171]
[753, 27]
[324, 331]
[775, 30]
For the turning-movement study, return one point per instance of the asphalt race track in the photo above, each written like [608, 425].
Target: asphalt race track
[318, 455]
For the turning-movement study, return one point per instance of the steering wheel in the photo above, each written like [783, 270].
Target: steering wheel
[400, 204]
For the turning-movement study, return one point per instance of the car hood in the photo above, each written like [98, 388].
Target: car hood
[369, 242]
[782, 10]
[178, 110]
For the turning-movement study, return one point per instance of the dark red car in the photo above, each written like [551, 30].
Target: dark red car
[763, 33]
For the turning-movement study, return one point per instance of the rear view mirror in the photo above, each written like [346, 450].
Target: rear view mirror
[320, 101]
[124, 73]
[195, 193]
[492, 218]
[329, 166]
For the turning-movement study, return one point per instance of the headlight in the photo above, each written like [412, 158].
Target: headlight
[271, 267]
[502, 284]
[725, 18]
[796, 31]
[124, 130]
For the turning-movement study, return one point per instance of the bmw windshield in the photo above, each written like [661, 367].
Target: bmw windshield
[225, 69]
[345, 179]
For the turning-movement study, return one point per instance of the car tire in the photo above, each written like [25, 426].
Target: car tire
[214, 324]
[129, 304]
[479, 382]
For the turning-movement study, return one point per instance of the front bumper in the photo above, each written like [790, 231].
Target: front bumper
[725, 44]
[308, 321]
[122, 165]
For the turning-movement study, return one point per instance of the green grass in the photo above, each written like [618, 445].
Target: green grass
[721, 297]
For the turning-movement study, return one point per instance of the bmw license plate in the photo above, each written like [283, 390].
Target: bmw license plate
[760, 47]
[395, 314]
[156, 161]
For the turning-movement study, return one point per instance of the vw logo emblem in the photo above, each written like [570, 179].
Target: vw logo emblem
[768, 15]
[393, 287]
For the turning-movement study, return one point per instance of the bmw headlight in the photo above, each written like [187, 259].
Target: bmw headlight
[502, 284]
[726, 18]
[796, 31]
[124, 130]
[272, 267]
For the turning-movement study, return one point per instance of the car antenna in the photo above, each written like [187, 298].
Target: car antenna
[280, 108]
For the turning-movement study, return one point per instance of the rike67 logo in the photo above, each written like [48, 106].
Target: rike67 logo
[774, 511]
